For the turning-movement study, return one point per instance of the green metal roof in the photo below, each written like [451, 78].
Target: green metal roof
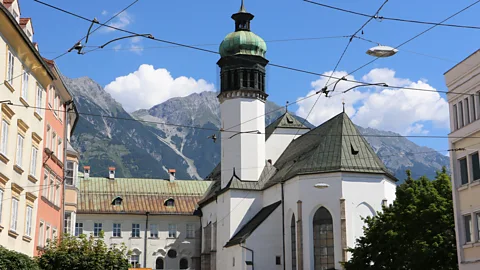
[243, 43]
[139, 195]
[334, 146]
[285, 121]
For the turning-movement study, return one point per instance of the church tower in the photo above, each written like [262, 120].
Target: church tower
[242, 101]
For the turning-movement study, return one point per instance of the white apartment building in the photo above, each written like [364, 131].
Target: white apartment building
[463, 82]
[23, 77]
[154, 218]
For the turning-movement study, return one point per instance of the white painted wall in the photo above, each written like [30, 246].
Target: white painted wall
[185, 247]
[279, 141]
[266, 242]
[245, 152]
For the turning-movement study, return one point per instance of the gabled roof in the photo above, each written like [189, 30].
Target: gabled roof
[252, 224]
[139, 195]
[285, 121]
[334, 146]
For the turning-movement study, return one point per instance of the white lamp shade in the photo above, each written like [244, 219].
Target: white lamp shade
[382, 51]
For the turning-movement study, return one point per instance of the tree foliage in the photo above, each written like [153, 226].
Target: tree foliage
[10, 259]
[416, 232]
[83, 253]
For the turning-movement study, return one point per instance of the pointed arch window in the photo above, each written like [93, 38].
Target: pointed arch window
[323, 239]
[159, 264]
[293, 241]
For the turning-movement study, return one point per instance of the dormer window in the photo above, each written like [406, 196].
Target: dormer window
[117, 201]
[169, 202]
[15, 15]
[29, 35]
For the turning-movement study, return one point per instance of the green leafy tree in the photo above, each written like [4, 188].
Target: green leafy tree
[416, 232]
[10, 259]
[83, 253]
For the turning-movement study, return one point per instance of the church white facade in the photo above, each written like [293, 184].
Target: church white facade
[284, 196]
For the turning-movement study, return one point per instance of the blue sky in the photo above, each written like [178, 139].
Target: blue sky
[207, 22]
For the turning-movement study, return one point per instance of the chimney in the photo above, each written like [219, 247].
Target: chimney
[111, 173]
[86, 172]
[171, 172]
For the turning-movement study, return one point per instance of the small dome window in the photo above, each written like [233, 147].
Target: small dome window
[169, 202]
[172, 253]
[117, 201]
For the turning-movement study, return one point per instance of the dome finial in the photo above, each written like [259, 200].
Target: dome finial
[242, 8]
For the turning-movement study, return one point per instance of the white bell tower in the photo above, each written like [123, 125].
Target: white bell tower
[242, 101]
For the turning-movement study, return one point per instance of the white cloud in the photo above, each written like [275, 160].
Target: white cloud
[104, 13]
[117, 47]
[400, 110]
[148, 87]
[121, 21]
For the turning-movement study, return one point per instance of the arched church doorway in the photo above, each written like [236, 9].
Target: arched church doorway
[159, 264]
[323, 240]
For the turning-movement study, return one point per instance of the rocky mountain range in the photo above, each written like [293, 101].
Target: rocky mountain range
[140, 145]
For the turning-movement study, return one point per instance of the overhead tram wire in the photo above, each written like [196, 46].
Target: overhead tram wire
[351, 39]
[219, 130]
[417, 35]
[201, 49]
[392, 19]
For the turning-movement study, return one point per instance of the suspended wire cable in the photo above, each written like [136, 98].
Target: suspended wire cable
[392, 19]
[351, 38]
[416, 36]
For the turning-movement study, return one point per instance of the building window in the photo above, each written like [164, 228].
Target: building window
[278, 260]
[47, 234]
[52, 188]
[159, 263]
[117, 230]
[474, 108]
[4, 143]
[475, 167]
[323, 239]
[38, 101]
[54, 234]
[293, 243]
[78, 228]
[153, 231]
[15, 16]
[41, 235]
[134, 260]
[45, 183]
[10, 68]
[25, 85]
[53, 143]
[51, 94]
[463, 171]
[14, 215]
[467, 111]
[477, 215]
[49, 131]
[172, 253]
[57, 193]
[28, 229]
[59, 149]
[97, 228]
[68, 223]
[455, 117]
[1, 204]
[183, 263]
[467, 220]
[190, 231]
[33, 165]
[170, 202]
[135, 230]
[172, 231]
[55, 105]
[19, 157]
[460, 108]
[69, 176]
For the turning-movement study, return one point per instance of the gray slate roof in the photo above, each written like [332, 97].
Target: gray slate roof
[334, 146]
[285, 121]
[252, 224]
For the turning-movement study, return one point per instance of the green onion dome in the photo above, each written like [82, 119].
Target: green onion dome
[243, 42]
